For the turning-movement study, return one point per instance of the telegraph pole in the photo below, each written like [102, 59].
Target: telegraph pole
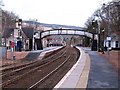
[0, 25]
[1, 32]
[3, 51]
[109, 32]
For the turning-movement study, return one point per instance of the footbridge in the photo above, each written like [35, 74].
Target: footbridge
[66, 32]
[77, 32]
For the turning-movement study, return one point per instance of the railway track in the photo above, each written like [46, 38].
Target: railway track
[6, 68]
[40, 70]
[10, 68]
[48, 75]
[12, 74]
[59, 72]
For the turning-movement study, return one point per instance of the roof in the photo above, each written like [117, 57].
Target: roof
[28, 32]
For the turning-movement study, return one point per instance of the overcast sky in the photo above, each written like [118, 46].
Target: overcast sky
[65, 12]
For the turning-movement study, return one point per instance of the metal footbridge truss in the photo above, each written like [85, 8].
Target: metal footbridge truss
[65, 32]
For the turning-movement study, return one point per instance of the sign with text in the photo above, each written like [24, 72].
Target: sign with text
[108, 38]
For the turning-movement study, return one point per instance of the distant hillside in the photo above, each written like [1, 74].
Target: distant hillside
[55, 26]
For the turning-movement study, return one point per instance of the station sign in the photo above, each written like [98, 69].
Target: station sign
[108, 38]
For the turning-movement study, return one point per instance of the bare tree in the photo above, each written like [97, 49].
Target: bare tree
[108, 14]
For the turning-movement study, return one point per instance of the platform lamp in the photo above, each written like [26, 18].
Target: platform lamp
[20, 26]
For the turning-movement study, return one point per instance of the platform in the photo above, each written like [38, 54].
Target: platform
[91, 71]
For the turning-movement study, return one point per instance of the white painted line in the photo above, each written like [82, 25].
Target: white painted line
[46, 51]
[70, 71]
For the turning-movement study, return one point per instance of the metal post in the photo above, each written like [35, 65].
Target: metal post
[0, 27]
[4, 28]
[103, 41]
[1, 32]
[108, 31]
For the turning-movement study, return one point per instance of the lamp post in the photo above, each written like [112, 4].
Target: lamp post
[1, 33]
[0, 27]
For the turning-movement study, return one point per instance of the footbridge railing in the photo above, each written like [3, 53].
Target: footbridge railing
[66, 32]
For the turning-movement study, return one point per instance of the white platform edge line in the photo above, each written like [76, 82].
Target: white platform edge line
[44, 52]
[69, 72]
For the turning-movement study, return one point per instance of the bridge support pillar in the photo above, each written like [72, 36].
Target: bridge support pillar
[41, 46]
[39, 43]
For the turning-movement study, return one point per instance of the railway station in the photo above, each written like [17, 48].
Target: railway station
[59, 67]
[36, 56]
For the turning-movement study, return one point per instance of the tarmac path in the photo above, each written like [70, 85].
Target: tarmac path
[102, 74]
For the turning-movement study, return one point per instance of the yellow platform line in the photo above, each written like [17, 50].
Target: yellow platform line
[82, 83]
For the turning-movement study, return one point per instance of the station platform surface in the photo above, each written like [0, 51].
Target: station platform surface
[92, 71]
[20, 55]
[102, 73]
